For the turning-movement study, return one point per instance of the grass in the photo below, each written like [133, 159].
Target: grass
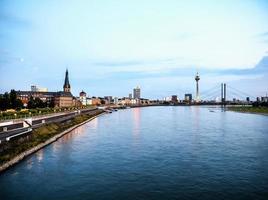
[249, 109]
[14, 147]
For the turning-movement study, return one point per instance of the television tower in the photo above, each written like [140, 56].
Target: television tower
[197, 78]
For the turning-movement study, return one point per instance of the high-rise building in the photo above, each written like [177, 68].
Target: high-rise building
[197, 78]
[188, 97]
[137, 93]
[130, 96]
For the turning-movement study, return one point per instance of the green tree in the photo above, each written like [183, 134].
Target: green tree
[36, 103]
[39, 103]
[5, 101]
[15, 103]
[13, 98]
[31, 103]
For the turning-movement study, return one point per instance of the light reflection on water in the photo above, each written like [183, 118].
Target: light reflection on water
[136, 124]
[150, 153]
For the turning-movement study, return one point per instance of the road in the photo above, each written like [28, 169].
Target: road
[18, 128]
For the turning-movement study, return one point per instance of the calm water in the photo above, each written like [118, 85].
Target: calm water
[150, 153]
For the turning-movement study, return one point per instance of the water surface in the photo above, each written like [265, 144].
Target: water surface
[150, 153]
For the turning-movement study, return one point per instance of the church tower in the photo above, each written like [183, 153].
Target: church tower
[66, 86]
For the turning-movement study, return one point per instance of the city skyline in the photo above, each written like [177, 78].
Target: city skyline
[109, 50]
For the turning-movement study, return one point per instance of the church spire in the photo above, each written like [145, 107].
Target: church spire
[66, 86]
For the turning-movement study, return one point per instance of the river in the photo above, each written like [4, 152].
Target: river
[176, 152]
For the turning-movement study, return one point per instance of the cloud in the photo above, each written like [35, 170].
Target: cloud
[265, 34]
[262, 37]
[145, 65]
[162, 69]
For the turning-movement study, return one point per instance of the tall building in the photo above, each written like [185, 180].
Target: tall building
[137, 93]
[66, 86]
[59, 99]
[188, 97]
[197, 97]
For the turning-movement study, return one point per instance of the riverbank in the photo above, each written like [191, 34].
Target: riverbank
[249, 109]
[14, 151]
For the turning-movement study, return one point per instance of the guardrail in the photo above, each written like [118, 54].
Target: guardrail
[40, 113]
[15, 130]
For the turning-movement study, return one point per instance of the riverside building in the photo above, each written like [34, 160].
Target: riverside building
[59, 99]
[137, 93]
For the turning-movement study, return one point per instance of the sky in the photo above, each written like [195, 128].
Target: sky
[112, 46]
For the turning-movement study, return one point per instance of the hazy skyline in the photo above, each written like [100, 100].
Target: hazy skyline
[110, 47]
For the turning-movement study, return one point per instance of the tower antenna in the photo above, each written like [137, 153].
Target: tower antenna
[197, 78]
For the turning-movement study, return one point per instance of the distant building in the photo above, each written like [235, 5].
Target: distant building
[83, 98]
[115, 100]
[60, 99]
[137, 93]
[34, 88]
[94, 101]
[88, 101]
[124, 101]
[264, 99]
[188, 97]
[174, 98]
[109, 99]
[25, 96]
[63, 99]
[130, 96]
[144, 101]
[167, 98]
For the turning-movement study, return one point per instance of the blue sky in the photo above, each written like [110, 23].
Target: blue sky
[112, 46]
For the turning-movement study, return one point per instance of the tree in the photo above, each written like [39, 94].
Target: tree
[31, 103]
[39, 103]
[13, 98]
[15, 103]
[10, 100]
[5, 102]
[36, 103]
[51, 104]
